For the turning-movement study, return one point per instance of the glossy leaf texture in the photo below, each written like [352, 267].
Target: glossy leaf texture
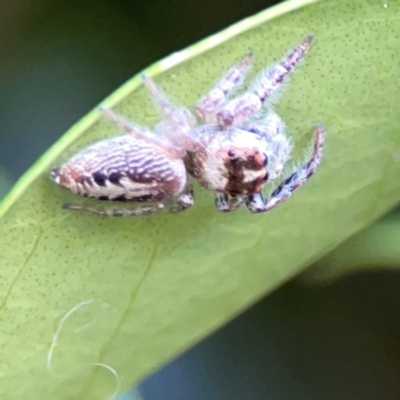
[87, 300]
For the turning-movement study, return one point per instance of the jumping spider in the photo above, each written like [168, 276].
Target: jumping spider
[232, 148]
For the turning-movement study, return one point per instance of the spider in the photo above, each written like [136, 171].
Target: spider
[230, 145]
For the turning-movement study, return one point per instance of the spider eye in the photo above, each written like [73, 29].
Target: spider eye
[231, 153]
[265, 163]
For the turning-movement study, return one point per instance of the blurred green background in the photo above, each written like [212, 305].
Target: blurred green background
[59, 60]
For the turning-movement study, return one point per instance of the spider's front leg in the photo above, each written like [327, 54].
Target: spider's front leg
[256, 203]
[262, 88]
[227, 203]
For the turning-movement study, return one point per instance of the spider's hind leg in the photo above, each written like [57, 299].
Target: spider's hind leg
[140, 133]
[116, 211]
[256, 203]
[178, 122]
[181, 203]
[216, 97]
[184, 201]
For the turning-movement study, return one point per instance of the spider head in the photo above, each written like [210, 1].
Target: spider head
[245, 169]
[231, 161]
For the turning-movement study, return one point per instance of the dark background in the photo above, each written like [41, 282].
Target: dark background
[59, 59]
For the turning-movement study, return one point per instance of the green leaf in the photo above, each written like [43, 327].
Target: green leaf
[129, 294]
[376, 247]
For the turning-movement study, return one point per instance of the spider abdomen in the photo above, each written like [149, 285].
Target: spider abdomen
[123, 169]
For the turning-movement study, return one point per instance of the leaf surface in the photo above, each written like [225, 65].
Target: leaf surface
[129, 294]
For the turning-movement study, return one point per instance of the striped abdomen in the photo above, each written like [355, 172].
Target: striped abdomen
[123, 168]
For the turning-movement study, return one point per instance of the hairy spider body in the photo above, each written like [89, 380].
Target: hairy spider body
[123, 169]
[232, 161]
[233, 150]
[239, 160]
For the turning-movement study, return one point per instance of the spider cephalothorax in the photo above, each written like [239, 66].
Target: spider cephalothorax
[232, 148]
[232, 160]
